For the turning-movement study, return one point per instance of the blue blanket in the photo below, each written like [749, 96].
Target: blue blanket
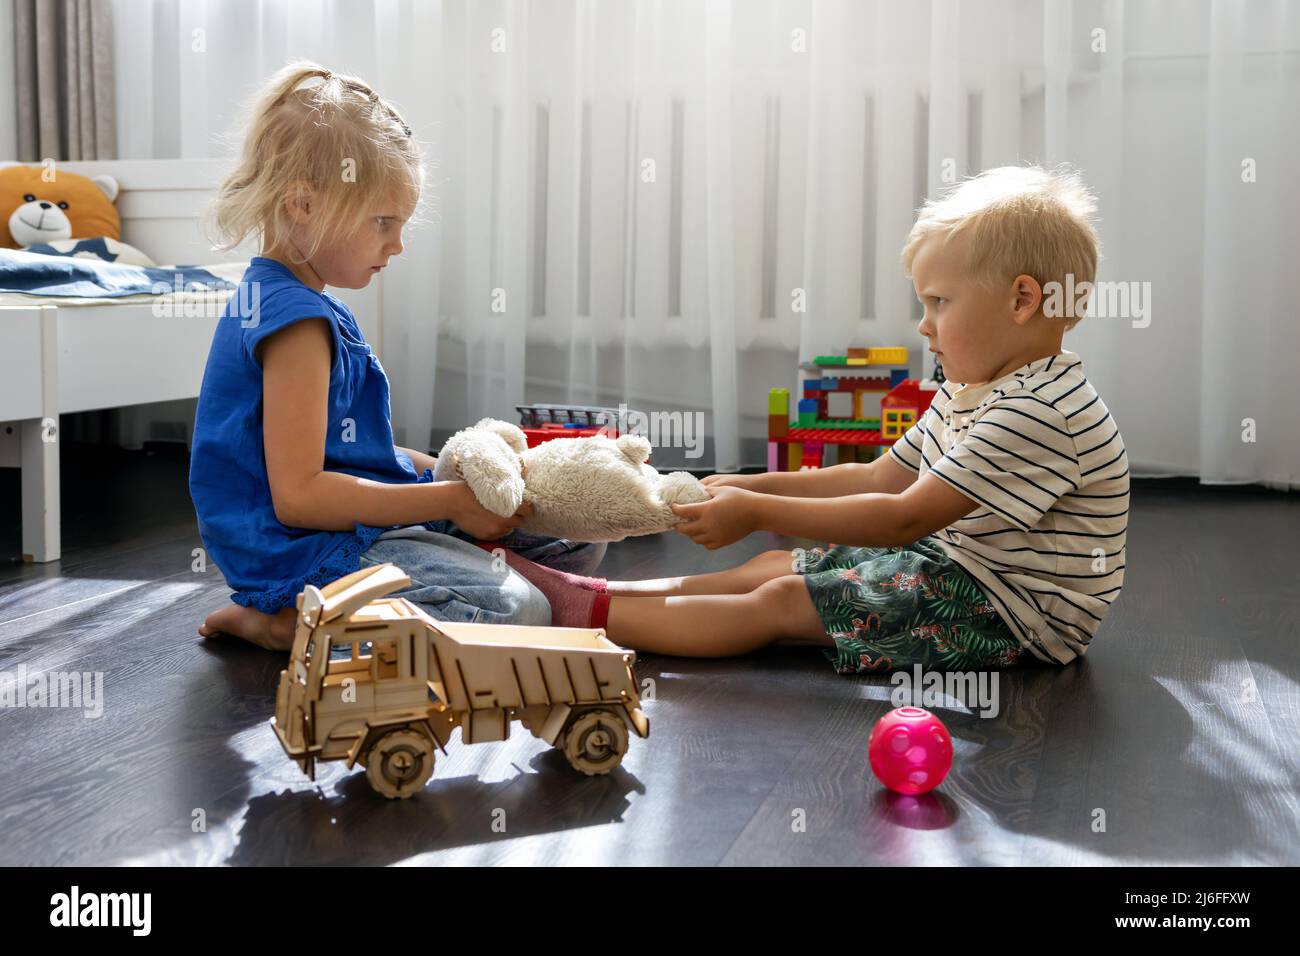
[38, 274]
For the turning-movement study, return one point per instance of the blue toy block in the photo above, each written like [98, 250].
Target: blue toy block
[897, 377]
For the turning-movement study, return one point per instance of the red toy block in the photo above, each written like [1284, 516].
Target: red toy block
[549, 430]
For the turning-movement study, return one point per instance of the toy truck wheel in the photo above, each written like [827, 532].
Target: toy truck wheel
[595, 741]
[400, 763]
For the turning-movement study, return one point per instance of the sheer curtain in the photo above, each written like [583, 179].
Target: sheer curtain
[670, 203]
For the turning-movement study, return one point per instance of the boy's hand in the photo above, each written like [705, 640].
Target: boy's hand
[728, 515]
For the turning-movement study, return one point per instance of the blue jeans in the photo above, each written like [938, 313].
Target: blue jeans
[452, 579]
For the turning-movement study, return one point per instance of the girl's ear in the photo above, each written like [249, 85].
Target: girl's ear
[298, 197]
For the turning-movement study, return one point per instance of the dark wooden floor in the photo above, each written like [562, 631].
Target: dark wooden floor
[1182, 725]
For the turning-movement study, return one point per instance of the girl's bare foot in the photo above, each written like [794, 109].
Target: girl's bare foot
[272, 631]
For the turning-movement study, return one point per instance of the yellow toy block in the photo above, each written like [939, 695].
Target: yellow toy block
[897, 421]
[888, 356]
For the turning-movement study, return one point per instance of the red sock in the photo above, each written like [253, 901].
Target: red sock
[576, 601]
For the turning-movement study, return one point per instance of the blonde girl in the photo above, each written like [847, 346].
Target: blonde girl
[294, 475]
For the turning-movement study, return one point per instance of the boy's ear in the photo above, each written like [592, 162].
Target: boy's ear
[1027, 297]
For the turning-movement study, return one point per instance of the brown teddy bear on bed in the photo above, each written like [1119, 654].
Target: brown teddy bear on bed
[71, 215]
[70, 206]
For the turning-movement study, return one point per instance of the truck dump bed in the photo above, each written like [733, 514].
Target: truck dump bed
[486, 666]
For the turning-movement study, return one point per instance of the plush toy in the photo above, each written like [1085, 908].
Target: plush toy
[69, 206]
[583, 489]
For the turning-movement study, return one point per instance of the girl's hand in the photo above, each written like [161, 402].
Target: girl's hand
[472, 518]
[728, 515]
[727, 481]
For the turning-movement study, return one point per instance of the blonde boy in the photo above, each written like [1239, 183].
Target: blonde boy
[994, 527]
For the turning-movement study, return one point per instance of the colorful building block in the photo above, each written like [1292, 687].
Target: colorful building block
[807, 411]
[813, 438]
[903, 406]
[888, 356]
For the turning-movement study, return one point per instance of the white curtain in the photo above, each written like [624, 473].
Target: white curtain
[633, 197]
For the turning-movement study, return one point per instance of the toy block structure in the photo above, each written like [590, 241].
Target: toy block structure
[544, 422]
[902, 407]
[805, 441]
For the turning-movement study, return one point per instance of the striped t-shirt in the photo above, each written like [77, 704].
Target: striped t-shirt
[1040, 454]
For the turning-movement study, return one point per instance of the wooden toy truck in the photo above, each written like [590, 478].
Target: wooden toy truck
[377, 682]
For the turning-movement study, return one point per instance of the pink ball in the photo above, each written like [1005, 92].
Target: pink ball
[910, 750]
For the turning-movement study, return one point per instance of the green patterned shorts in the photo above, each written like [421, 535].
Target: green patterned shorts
[890, 608]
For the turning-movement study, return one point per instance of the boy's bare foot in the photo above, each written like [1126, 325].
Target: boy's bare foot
[272, 631]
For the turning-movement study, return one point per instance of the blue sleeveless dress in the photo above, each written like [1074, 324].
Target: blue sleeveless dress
[266, 562]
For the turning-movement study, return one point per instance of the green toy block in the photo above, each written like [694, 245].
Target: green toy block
[778, 401]
[845, 424]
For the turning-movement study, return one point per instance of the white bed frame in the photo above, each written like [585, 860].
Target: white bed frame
[61, 359]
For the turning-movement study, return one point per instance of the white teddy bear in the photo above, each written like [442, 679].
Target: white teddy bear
[584, 489]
